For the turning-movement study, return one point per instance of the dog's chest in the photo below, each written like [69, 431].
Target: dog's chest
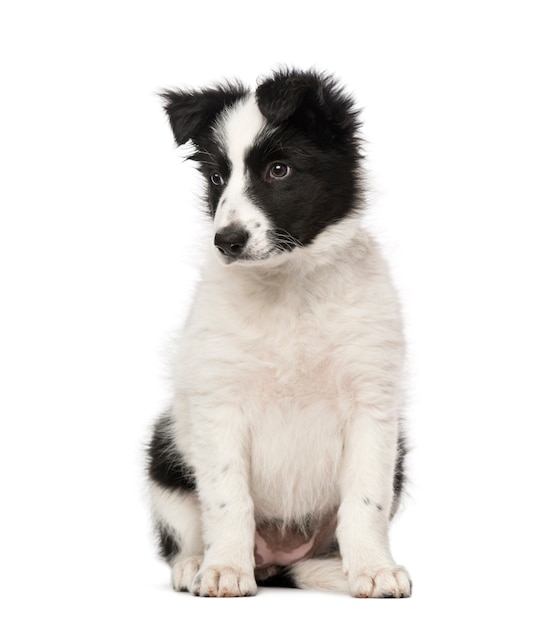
[286, 361]
[299, 395]
[301, 364]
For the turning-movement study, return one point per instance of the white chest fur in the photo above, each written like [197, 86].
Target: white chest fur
[290, 354]
[298, 408]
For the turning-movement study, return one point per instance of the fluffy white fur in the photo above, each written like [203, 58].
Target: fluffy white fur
[288, 390]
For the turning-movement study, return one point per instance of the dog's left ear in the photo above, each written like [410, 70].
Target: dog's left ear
[314, 102]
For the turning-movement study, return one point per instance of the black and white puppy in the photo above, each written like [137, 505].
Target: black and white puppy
[281, 457]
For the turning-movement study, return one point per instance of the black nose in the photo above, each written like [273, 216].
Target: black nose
[231, 240]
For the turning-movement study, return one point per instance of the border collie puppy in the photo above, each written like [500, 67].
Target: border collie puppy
[280, 459]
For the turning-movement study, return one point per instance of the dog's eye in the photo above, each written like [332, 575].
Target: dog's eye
[279, 170]
[217, 179]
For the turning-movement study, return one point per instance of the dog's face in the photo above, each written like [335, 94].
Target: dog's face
[281, 164]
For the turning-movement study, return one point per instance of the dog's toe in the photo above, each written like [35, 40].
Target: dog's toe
[388, 582]
[184, 572]
[224, 582]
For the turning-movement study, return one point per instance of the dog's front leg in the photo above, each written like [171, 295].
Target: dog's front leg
[363, 518]
[227, 511]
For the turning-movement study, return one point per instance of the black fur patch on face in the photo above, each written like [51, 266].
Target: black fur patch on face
[320, 189]
[212, 160]
[169, 545]
[166, 465]
[312, 130]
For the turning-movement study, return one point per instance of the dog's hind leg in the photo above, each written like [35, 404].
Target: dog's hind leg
[328, 575]
[177, 520]
[176, 509]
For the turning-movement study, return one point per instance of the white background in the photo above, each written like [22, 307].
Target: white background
[100, 237]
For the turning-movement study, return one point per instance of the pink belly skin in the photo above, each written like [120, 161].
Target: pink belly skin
[280, 545]
[266, 555]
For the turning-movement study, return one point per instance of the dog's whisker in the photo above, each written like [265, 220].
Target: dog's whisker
[285, 239]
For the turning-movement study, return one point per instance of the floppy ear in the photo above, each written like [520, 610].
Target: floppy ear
[312, 101]
[192, 112]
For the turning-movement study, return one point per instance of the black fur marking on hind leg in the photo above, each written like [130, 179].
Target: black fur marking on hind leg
[166, 465]
[399, 474]
[169, 545]
[282, 578]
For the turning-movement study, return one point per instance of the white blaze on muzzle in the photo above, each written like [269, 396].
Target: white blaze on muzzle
[237, 132]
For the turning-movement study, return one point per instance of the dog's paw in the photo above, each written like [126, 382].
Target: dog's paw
[224, 582]
[184, 572]
[387, 582]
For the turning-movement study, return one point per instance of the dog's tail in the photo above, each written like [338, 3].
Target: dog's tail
[323, 574]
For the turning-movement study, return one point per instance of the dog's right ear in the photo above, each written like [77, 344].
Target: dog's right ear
[191, 113]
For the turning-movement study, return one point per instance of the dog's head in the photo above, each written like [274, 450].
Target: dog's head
[281, 164]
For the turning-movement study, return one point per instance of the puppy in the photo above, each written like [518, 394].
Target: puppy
[281, 458]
